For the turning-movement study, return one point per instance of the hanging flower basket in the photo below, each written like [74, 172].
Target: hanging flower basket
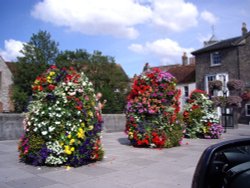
[246, 96]
[215, 85]
[235, 84]
[234, 101]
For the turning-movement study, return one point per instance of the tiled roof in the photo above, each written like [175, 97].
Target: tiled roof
[183, 73]
[11, 66]
[222, 44]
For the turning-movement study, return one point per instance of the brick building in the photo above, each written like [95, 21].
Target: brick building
[6, 69]
[225, 60]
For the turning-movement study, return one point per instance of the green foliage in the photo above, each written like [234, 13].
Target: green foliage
[38, 53]
[20, 99]
[107, 76]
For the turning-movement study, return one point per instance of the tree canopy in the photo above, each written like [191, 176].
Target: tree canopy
[107, 76]
[38, 53]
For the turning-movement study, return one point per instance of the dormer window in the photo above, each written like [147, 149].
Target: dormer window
[215, 59]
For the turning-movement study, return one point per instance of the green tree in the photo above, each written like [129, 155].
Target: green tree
[38, 54]
[107, 76]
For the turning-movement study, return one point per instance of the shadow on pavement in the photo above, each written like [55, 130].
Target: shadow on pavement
[124, 141]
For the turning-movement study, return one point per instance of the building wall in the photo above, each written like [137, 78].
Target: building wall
[228, 65]
[244, 61]
[5, 86]
[191, 87]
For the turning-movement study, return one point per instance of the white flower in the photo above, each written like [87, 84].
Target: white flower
[51, 129]
[44, 132]
[84, 83]
[57, 122]
[72, 93]
[80, 90]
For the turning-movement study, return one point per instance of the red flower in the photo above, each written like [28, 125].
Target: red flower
[51, 87]
[195, 107]
[53, 67]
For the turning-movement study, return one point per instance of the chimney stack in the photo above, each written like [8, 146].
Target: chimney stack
[184, 59]
[244, 29]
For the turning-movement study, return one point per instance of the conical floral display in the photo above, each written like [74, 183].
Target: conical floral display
[152, 111]
[200, 117]
[61, 126]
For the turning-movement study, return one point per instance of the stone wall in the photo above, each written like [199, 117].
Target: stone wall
[5, 83]
[11, 127]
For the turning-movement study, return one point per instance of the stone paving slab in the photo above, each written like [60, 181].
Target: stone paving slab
[123, 166]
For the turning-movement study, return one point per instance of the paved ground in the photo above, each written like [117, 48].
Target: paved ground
[123, 167]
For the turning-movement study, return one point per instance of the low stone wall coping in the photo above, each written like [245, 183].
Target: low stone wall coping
[11, 125]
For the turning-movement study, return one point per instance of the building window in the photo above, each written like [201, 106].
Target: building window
[215, 58]
[247, 108]
[209, 78]
[186, 91]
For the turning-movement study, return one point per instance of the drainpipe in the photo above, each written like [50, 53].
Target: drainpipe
[238, 62]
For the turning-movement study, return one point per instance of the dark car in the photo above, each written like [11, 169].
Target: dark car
[224, 165]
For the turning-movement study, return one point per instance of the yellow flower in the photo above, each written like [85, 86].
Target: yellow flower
[49, 79]
[80, 133]
[130, 135]
[67, 150]
[52, 73]
[69, 136]
[72, 141]
[61, 143]
[83, 124]
[90, 127]
[72, 149]
[37, 81]
[90, 113]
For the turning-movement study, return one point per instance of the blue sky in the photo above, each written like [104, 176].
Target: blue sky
[131, 31]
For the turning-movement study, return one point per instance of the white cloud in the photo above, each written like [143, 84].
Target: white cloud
[11, 50]
[95, 17]
[116, 17]
[209, 17]
[166, 50]
[176, 15]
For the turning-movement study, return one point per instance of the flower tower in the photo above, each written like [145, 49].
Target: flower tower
[152, 111]
[61, 126]
[200, 117]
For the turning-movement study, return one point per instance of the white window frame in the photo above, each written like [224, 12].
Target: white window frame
[246, 111]
[218, 76]
[207, 81]
[212, 59]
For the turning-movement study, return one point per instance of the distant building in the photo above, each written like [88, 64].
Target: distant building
[225, 60]
[6, 68]
[185, 75]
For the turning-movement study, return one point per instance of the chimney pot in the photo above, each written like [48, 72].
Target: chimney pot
[244, 29]
[184, 59]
